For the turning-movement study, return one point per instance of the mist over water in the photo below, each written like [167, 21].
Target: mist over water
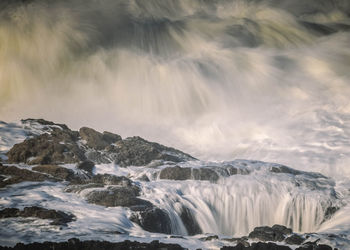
[264, 80]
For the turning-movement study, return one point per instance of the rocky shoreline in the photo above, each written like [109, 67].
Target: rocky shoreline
[40, 156]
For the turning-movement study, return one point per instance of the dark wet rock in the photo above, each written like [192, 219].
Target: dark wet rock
[153, 219]
[282, 229]
[179, 173]
[139, 152]
[56, 147]
[209, 238]
[285, 170]
[110, 137]
[94, 139]
[294, 239]
[257, 246]
[275, 233]
[176, 237]
[330, 211]
[313, 246]
[190, 222]
[109, 179]
[76, 244]
[87, 166]
[115, 196]
[16, 175]
[57, 217]
[205, 174]
[176, 173]
[56, 171]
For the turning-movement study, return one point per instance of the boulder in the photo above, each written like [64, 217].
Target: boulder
[57, 147]
[94, 139]
[294, 239]
[115, 196]
[139, 152]
[18, 175]
[153, 219]
[179, 173]
[275, 233]
[57, 217]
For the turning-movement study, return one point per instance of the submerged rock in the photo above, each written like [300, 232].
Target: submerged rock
[190, 222]
[58, 217]
[153, 219]
[87, 166]
[186, 173]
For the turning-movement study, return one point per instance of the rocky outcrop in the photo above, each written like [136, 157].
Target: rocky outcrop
[274, 233]
[139, 152]
[76, 244]
[153, 219]
[56, 147]
[57, 217]
[294, 239]
[97, 140]
[13, 175]
[115, 196]
[57, 144]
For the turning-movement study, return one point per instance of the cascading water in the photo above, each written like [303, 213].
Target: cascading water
[261, 79]
[235, 205]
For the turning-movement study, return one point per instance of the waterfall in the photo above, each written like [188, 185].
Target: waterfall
[235, 205]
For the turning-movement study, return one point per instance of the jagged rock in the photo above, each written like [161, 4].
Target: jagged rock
[294, 239]
[55, 148]
[58, 217]
[330, 211]
[153, 219]
[143, 178]
[257, 246]
[115, 196]
[87, 166]
[110, 137]
[97, 140]
[275, 233]
[18, 175]
[189, 222]
[76, 244]
[56, 171]
[139, 152]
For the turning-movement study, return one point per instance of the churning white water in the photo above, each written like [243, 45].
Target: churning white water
[263, 79]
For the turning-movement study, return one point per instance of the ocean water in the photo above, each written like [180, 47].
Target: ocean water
[261, 80]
